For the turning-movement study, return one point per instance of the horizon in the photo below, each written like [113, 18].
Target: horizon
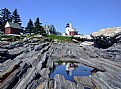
[85, 16]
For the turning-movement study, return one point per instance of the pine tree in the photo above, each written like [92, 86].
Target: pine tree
[38, 27]
[5, 15]
[30, 27]
[16, 17]
[1, 25]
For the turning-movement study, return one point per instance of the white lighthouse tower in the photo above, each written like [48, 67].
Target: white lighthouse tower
[70, 31]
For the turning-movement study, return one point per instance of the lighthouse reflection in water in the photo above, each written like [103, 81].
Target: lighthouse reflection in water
[70, 69]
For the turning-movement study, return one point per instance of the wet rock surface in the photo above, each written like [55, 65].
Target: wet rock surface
[30, 62]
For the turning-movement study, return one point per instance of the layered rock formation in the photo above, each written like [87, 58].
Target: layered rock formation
[22, 63]
[27, 64]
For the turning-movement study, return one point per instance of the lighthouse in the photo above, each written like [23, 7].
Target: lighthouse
[70, 31]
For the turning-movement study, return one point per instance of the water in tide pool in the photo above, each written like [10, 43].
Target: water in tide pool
[69, 70]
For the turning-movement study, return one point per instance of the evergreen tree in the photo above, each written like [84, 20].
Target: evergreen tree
[5, 15]
[30, 27]
[1, 25]
[38, 27]
[16, 17]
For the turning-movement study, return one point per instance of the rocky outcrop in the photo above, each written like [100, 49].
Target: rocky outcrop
[105, 68]
[107, 37]
[29, 63]
[108, 31]
[22, 63]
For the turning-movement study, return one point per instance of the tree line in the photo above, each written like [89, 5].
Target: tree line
[6, 15]
[35, 28]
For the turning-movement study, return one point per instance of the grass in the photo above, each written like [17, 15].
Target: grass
[30, 35]
[50, 37]
[14, 37]
[10, 37]
[59, 38]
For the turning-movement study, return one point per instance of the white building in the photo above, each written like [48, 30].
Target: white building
[70, 31]
[50, 29]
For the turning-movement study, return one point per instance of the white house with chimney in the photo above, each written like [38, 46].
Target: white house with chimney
[70, 31]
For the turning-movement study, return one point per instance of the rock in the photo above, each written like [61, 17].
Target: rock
[14, 45]
[35, 62]
[56, 41]
[108, 32]
[4, 74]
[4, 39]
[2, 51]
[26, 39]
[83, 38]
[10, 83]
[74, 40]
[106, 37]
[61, 83]
[84, 81]
[86, 43]
[40, 46]
[3, 43]
[4, 55]
[18, 50]
[103, 42]
[26, 80]
[41, 86]
[106, 81]
[38, 36]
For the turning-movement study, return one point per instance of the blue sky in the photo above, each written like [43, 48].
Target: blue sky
[86, 15]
